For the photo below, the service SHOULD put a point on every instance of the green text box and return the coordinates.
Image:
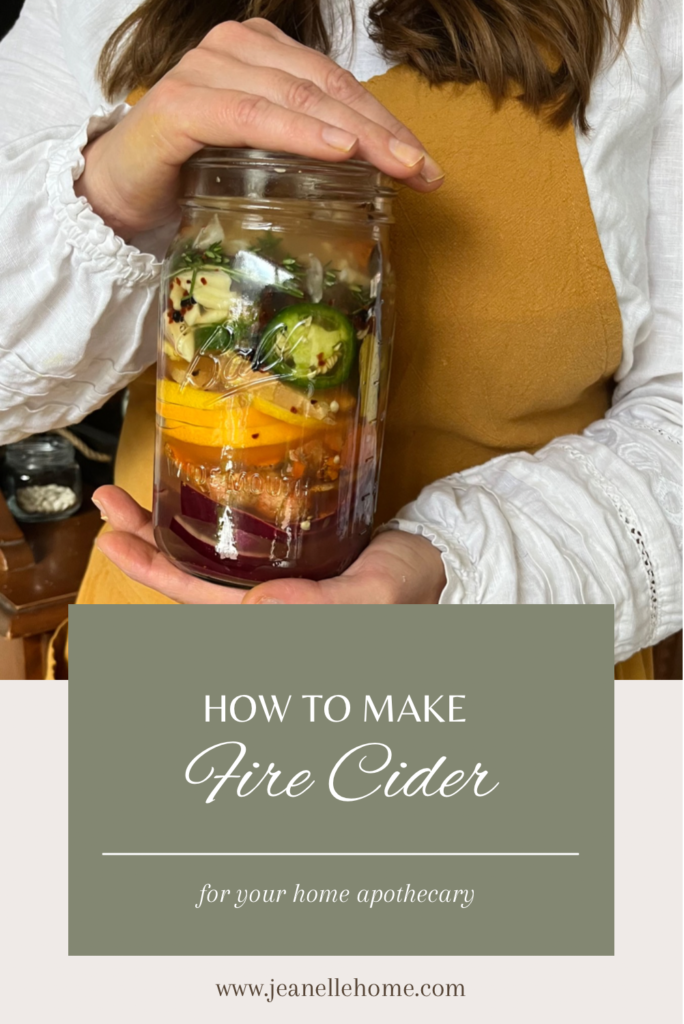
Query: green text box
(531, 862)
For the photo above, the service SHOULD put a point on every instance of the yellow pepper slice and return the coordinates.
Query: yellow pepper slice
(228, 421)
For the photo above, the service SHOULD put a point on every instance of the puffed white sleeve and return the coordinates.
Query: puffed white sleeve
(78, 303)
(596, 518)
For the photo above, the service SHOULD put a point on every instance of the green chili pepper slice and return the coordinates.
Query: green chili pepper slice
(309, 345)
(212, 338)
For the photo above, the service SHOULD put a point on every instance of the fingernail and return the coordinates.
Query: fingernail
(269, 600)
(100, 509)
(408, 155)
(339, 139)
(431, 171)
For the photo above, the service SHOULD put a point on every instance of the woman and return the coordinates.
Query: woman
(535, 405)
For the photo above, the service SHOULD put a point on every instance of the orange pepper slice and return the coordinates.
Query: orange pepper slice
(218, 458)
(229, 435)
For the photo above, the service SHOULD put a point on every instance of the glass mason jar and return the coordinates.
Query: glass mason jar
(41, 478)
(277, 313)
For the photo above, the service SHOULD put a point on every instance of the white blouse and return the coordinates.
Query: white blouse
(590, 519)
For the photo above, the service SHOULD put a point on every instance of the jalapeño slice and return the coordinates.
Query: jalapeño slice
(212, 338)
(310, 345)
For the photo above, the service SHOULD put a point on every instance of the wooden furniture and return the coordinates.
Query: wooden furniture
(667, 658)
(41, 568)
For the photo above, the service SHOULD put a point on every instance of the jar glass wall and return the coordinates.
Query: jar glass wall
(276, 327)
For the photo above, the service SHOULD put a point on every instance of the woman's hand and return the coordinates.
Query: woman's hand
(396, 567)
(246, 84)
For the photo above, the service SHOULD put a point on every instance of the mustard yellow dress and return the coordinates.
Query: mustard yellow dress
(508, 327)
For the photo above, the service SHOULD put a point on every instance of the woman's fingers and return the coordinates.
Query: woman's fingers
(147, 565)
(376, 144)
(130, 545)
(396, 568)
(328, 75)
(264, 45)
(258, 43)
(245, 85)
(341, 590)
(122, 512)
(366, 582)
(227, 117)
(267, 28)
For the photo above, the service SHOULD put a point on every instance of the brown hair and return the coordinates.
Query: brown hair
(551, 48)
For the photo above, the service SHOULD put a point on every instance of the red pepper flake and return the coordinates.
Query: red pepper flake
(203, 280)
(178, 280)
(314, 401)
(293, 408)
(185, 292)
(254, 437)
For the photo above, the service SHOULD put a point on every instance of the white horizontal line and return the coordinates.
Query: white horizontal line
(391, 854)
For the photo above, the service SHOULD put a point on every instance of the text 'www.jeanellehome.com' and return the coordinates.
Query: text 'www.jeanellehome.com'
(333, 987)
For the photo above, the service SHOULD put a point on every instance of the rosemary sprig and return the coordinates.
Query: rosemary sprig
(194, 261)
(266, 244)
(289, 288)
(291, 264)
